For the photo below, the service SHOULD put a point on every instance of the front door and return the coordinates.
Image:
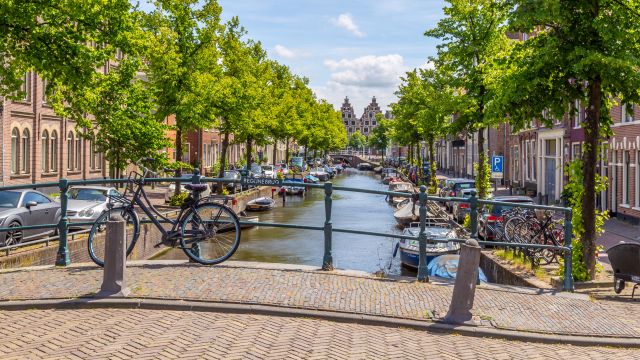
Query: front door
(550, 178)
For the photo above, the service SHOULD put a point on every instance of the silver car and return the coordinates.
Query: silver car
(26, 208)
(86, 203)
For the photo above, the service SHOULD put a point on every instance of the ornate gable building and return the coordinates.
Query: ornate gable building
(366, 123)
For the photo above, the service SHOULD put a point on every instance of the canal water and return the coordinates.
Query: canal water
(351, 210)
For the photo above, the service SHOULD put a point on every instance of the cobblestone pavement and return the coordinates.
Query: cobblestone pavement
(507, 308)
(143, 334)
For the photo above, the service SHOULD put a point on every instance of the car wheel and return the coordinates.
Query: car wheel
(13, 236)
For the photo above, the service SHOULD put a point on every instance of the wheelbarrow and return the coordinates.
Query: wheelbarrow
(625, 261)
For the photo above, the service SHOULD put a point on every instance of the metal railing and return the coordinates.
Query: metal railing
(63, 258)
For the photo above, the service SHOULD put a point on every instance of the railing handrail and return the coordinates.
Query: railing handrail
(420, 198)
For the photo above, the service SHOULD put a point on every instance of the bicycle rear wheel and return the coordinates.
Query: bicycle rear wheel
(210, 233)
(97, 236)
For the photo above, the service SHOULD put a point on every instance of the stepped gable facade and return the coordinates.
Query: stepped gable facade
(366, 123)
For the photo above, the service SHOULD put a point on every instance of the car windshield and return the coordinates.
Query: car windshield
(9, 199)
(230, 174)
(267, 168)
(466, 185)
(498, 209)
(97, 195)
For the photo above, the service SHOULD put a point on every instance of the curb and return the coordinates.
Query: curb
(270, 310)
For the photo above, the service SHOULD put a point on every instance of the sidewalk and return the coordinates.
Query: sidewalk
(303, 287)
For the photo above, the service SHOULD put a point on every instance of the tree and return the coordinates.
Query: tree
(123, 126)
(378, 138)
(65, 41)
(473, 35)
(183, 63)
(357, 140)
(587, 50)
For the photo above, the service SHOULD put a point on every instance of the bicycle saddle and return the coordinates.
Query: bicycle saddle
(196, 187)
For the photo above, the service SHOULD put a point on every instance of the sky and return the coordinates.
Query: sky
(354, 48)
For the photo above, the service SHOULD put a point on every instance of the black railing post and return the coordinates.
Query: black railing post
(195, 179)
(568, 255)
(423, 275)
(62, 258)
(473, 213)
(327, 260)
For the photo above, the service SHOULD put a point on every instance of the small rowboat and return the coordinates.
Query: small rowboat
(261, 204)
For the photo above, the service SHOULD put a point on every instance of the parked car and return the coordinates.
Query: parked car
(187, 180)
(492, 215)
(329, 170)
(457, 185)
(86, 203)
(320, 173)
(25, 208)
(282, 168)
(461, 209)
(268, 171)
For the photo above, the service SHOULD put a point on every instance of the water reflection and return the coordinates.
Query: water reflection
(350, 210)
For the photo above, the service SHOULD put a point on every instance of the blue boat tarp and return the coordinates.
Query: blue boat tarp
(446, 266)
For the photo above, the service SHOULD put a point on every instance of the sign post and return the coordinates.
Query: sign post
(497, 169)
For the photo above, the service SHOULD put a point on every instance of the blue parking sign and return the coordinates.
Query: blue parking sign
(497, 164)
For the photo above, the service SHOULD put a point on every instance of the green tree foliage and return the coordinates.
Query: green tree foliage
(379, 136)
(473, 39)
(61, 40)
(123, 122)
(183, 68)
(357, 140)
(580, 50)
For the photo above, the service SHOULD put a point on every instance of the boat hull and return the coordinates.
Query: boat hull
(411, 258)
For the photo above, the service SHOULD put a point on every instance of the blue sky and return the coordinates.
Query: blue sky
(356, 48)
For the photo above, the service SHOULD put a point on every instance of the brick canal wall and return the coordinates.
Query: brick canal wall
(45, 254)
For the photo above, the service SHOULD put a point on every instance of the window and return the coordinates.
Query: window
(626, 174)
(349, 116)
(533, 161)
(118, 54)
(33, 196)
(44, 152)
(373, 123)
(92, 154)
(353, 123)
(15, 150)
(26, 142)
(366, 130)
(515, 158)
(578, 116)
(78, 162)
(366, 123)
(187, 153)
(576, 151)
(25, 88)
(54, 151)
(70, 156)
(627, 113)
(525, 36)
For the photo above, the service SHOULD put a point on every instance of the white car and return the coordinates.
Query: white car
(268, 172)
(86, 203)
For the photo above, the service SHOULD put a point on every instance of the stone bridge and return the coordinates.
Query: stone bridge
(354, 159)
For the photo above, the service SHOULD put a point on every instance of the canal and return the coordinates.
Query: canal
(350, 210)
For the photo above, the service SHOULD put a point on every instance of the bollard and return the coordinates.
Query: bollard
(473, 214)
(568, 255)
(62, 257)
(327, 260)
(115, 256)
(464, 288)
(423, 273)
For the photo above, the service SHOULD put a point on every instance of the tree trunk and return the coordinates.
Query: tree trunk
(433, 181)
(249, 152)
(480, 183)
(410, 154)
(178, 159)
(223, 155)
(275, 152)
(590, 156)
(286, 155)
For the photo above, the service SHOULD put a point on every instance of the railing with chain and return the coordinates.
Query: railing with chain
(421, 198)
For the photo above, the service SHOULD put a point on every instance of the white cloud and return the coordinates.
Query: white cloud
(283, 52)
(362, 78)
(346, 22)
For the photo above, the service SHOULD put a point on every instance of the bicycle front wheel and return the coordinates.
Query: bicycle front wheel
(210, 233)
(97, 235)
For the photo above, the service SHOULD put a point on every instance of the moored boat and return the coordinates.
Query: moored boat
(406, 214)
(365, 166)
(446, 266)
(261, 204)
(403, 187)
(409, 249)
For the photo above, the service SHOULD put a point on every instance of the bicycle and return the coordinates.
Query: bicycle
(208, 232)
(542, 230)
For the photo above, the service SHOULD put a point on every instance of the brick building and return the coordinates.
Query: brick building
(38, 146)
(366, 123)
